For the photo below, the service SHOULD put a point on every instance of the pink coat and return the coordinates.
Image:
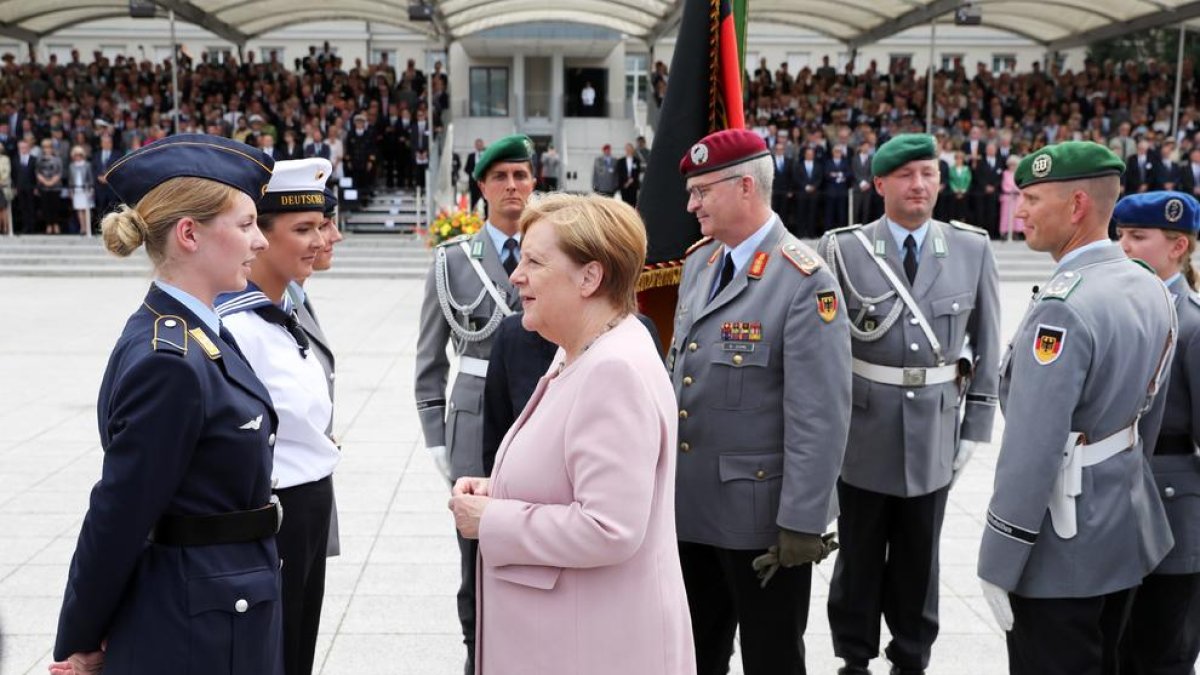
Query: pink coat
(579, 567)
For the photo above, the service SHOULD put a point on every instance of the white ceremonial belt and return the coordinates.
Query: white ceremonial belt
(905, 377)
(1068, 485)
(470, 365)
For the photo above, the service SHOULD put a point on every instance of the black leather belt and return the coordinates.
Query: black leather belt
(1174, 444)
(220, 528)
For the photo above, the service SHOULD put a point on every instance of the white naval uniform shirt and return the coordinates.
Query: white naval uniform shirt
(303, 453)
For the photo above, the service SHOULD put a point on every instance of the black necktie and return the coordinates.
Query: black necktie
(510, 262)
(726, 275)
(910, 258)
(275, 315)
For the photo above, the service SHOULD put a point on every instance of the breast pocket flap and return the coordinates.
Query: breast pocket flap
(763, 466)
(234, 593)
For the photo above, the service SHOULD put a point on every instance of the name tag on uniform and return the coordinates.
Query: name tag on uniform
(737, 346)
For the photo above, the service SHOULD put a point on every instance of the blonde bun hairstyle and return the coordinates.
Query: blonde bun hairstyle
(124, 230)
(150, 222)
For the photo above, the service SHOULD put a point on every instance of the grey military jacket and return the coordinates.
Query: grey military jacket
(903, 439)
(1081, 360)
(762, 377)
(1178, 475)
(458, 425)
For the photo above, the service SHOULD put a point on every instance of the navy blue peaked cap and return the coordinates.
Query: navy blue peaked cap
(190, 155)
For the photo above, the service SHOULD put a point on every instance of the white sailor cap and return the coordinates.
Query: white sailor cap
(297, 185)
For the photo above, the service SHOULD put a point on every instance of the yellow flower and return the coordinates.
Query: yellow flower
(445, 230)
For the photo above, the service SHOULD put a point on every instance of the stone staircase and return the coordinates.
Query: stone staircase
(389, 212)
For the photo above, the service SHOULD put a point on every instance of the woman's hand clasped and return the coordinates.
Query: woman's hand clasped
(468, 500)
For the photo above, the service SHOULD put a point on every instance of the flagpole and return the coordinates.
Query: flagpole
(929, 93)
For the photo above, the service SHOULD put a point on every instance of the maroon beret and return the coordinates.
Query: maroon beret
(721, 149)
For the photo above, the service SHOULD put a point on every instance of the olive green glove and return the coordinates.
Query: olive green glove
(794, 548)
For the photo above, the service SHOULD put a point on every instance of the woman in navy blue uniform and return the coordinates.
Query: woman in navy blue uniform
(176, 569)
(1163, 633)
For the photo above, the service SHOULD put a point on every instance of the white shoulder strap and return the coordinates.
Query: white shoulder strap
(488, 284)
(904, 296)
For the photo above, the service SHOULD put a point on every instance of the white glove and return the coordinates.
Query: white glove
(965, 450)
(997, 600)
(441, 460)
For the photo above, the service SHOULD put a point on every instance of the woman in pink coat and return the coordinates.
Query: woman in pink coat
(1009, 194)
(578, 565)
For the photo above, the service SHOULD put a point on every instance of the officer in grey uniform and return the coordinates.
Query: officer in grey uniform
(1075, 521)
(467, 294)
(1163, 637)
(760, 361)
(916, 291)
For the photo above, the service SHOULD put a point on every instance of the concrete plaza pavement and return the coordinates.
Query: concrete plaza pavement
(389, 604)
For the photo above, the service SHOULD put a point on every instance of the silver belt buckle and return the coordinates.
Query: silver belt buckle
(278, 512)
(913, 377)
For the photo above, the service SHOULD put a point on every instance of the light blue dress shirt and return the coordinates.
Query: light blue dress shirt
(205, 313)
(498, 239)
(1080, 251)
(900, 233)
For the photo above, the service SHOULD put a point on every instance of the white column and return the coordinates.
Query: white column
(518, 89)
(556, 87)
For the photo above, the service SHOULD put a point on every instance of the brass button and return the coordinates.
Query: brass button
(693, 347)
(687, 381)
(683, 414)
(685, 447)
(737, 359)
(1169, 492)
(760, 474)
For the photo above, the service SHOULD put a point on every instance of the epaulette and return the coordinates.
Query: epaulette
(967, 227)
(170, 335)
(704, 241)
(802, 257)
(455, 240)
(1062, 286)
(844, 228)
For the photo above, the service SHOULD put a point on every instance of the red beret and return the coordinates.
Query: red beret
(721, 149)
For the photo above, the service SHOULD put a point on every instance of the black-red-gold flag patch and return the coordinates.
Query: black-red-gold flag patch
(827, 305)
(1048, 343)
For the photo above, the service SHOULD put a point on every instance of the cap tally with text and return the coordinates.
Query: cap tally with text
(721, 149)
(514, 148)
(297, 185)
(1163, 210)
(901, 150)
(190, 156)
(1070, 160)
(331, 202)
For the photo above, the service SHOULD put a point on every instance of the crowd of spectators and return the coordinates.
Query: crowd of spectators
(824, 126)
(63, 124)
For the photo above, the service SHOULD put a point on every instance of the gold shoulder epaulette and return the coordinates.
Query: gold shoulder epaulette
(206, 344)
(697, 246)
(1062, 286)
(804, 258)
(967, 227)
(844, 228)
(170, 334)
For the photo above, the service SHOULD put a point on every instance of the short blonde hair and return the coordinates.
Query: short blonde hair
(155, 216)
(594, 228)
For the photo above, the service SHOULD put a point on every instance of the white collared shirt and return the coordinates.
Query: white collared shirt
(300, 393)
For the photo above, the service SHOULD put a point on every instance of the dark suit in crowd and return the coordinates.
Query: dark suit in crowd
(783, 191)
(838, 177)
(807, 181)
(985, 194)
(629, 179)
(106, 199)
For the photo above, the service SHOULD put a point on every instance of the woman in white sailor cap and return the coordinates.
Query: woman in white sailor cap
(263, 320)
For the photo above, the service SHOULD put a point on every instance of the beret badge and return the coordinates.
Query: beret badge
(699, 154)
(1173, 210)
(1041, 166)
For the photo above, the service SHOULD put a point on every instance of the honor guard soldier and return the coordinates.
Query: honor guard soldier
(760, 362)
(1075, 522)
(467, 294)
(264, 321)
(1163, 637)
(916, 291)
(175, 569)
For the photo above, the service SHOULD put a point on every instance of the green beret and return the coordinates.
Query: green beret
(1071, 160)
(515, 148)
(901, 150)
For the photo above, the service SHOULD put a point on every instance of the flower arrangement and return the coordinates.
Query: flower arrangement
(450, 225)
